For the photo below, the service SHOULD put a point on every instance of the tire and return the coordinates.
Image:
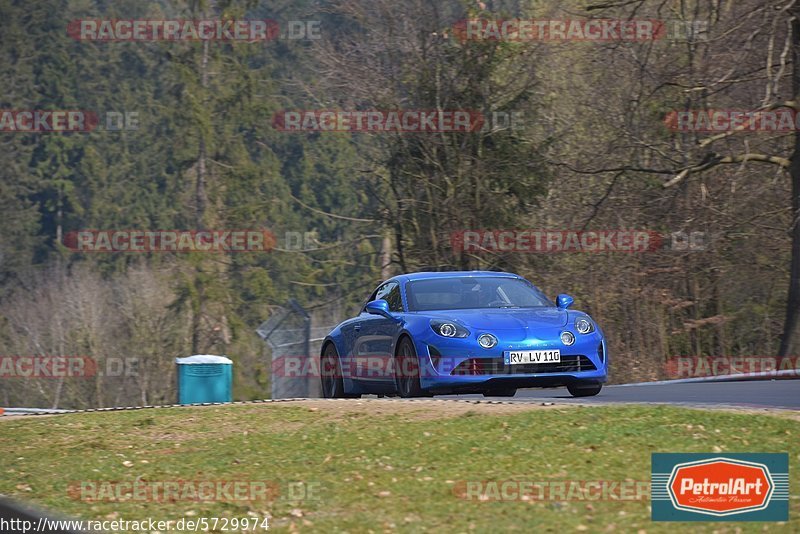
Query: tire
(331, 375)
(507, 392)
(406, 370)
(584, 390)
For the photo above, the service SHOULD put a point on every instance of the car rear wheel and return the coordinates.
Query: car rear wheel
(406, 370)
(507, 392)
(331, 375)
(584, 390)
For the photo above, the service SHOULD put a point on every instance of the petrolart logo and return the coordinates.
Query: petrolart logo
(710, 487)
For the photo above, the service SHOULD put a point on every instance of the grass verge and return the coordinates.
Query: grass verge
(378, 465)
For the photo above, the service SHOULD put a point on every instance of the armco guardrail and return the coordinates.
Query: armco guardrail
(733, 377)
(30, 411)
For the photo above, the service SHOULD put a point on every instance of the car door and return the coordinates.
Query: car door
(374, 337)
(351, 329)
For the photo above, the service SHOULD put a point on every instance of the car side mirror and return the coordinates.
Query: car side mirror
(379, 307)
(564, 301)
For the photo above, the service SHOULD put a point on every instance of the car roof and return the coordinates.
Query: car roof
(409, 277)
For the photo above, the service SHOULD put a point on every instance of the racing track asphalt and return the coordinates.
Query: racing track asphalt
(783, 394)
(778, 394)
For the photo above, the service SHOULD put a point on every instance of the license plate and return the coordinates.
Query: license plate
(513, 357)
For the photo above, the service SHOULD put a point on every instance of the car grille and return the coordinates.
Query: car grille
(495, 366)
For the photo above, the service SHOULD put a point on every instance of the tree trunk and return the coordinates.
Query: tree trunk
(200, 190)
(790, 341)
(386, 255)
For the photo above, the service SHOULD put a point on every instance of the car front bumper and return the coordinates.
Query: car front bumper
(460, 365)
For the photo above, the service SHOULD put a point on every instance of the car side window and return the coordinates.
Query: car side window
(390, 292)
(370, 299)
(373, 296)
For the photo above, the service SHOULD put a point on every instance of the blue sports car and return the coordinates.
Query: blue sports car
(463, 332)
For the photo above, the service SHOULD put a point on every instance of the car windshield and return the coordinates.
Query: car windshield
(469, 292)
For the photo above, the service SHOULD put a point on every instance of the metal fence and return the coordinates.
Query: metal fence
(290, 336)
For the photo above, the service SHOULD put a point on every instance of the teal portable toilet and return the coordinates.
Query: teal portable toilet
(204, 378)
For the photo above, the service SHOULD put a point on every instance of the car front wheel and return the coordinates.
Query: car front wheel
(406, 370)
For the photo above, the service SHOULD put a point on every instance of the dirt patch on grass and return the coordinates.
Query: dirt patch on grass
(424, 409)
(18, 417)
(776, 412)
(417, 409)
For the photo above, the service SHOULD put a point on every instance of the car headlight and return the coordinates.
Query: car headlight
(583, 325)
(567, 338)
(487, 341)
(449, 329)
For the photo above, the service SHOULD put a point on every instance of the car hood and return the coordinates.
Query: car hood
(528, 319)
